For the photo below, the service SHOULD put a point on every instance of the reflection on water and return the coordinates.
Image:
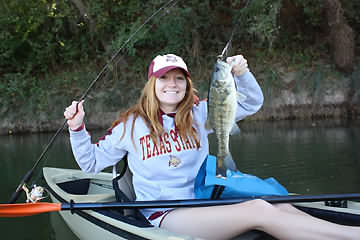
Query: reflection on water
(306, 157)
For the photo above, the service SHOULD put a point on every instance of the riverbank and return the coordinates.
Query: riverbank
(285, 107)
(318, 93)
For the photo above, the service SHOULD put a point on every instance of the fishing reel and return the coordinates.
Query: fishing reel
(36, 194)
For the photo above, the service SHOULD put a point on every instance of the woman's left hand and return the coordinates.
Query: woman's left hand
(238, 63)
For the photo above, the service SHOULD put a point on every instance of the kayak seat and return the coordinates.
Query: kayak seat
(124, 192)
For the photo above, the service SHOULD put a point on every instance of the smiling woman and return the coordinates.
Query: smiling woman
(165, 128)
(170, 73)
(170, 89)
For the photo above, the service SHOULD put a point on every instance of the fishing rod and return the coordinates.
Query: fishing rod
(28, 209)
(108, 66)
(226, 50)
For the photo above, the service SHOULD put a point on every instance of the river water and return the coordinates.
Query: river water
(308, 157)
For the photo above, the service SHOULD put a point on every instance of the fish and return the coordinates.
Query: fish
(222, 106)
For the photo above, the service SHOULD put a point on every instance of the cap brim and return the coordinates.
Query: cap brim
(164, 70)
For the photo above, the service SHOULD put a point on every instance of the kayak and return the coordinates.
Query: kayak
(71, 185)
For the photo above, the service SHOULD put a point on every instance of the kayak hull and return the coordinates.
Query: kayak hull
(67, 185)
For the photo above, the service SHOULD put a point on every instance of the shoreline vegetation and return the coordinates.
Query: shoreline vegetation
(291, 96)
(306, 61)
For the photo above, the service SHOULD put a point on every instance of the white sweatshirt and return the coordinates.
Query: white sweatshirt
(165, 170)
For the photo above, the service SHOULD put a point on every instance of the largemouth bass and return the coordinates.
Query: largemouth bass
(222, 105)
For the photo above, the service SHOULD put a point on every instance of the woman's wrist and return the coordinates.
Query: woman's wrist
(78, 128)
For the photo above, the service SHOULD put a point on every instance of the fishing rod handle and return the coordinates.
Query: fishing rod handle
(15, 196)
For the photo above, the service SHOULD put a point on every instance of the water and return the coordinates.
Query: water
(306, 157)
(18, 155)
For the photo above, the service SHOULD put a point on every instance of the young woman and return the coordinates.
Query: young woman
(165, 139)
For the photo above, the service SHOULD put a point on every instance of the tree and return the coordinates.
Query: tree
(341, 36)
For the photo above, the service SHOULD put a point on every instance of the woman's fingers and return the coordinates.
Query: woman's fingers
(72, 110)
(75, 114)
(239, 64)
(80, 107)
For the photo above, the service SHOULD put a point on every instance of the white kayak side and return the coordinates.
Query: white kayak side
(94, 225)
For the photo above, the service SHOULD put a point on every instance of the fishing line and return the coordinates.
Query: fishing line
(227, 47)
(108, 67)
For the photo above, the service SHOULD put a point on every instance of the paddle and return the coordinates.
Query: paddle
(28, 209)
(101, 74)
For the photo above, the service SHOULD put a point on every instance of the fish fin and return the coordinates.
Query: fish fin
(208, 125)
(235, 130)
(240, 97)
(229, 163)
(224, 164)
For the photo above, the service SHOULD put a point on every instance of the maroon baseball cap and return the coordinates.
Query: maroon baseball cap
(161, 64)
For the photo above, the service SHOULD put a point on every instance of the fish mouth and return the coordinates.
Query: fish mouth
(222, 63)
(221, 66)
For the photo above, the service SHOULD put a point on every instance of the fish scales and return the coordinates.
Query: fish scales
(222, 105)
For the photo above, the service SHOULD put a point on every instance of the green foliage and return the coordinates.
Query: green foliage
(271, 83)
(35, 37)
(260, 19)
(313, 11)
(43, 42)
(18, 90)
(352, 9)
(41, 36)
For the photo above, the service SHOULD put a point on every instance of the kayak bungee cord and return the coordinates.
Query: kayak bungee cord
(101, 74)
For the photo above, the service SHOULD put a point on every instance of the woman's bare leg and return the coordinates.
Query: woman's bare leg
(225, 222)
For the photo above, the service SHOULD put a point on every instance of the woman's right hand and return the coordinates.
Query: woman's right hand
(75, 115)
(239, 64)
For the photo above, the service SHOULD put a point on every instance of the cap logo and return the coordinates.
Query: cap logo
(171, 58)
(161, 64)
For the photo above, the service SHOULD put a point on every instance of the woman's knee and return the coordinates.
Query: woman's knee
(260, 204)
(259, 210)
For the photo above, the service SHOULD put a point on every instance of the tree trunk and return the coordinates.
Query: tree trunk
(341, 36)
(291, 17)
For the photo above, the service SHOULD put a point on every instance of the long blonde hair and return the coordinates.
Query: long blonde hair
(148, 107)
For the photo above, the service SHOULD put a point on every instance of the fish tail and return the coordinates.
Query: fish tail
(220, 167)
(219, 162)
